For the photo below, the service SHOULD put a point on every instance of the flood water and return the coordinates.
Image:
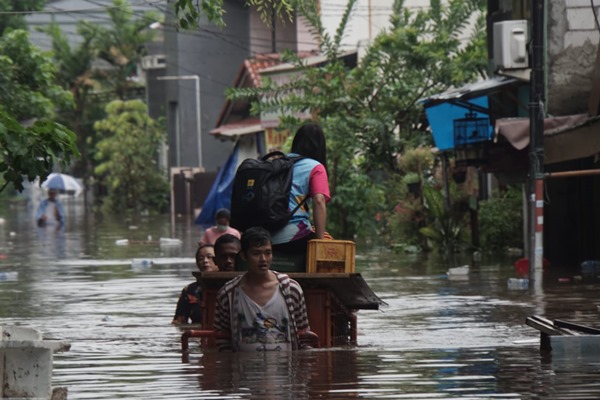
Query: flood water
(438, 337)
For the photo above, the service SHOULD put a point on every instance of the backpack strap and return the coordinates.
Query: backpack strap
(295, 159)
(277, 153)
(304, 200)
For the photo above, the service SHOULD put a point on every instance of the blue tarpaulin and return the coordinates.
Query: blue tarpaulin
(441, 117)
(220, 193)
(444, 108)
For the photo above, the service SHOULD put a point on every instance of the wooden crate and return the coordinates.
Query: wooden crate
(329, 256)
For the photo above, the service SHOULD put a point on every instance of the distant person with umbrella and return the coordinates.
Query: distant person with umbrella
(64, 183)
(50, 211)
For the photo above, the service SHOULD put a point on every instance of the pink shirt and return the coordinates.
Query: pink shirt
(318, 183)
(212, 234)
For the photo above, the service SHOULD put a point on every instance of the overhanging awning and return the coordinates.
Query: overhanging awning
(460, 96)
(244, 127)
(565, 138)
(444, 108)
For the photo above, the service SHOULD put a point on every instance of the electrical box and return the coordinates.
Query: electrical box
(510, 44)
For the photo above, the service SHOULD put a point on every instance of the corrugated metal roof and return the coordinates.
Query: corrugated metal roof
(238, 128)
(471, 90)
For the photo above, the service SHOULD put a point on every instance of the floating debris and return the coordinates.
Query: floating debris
(169, 242)
(141, 262)
(458, 271)
(518, 283)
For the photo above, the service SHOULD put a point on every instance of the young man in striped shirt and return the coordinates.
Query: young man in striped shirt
(262, 310)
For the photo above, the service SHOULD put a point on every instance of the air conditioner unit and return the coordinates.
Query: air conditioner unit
(153, 62)
(510, 44)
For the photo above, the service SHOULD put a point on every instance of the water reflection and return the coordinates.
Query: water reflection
(437, 338)
(306, 375)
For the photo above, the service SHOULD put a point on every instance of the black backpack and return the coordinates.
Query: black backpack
(261, 192)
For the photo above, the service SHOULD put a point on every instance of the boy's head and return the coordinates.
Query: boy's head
(255, 237)
(257, 251)
(227, 247)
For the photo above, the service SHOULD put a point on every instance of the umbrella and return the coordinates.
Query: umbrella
(63, 183)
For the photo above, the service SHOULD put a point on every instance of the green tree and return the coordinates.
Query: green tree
(371, 113)
(190, 12)
(31, 142)
(445, 229)
(122, 46)
(18, 7)
(500, 219)
(421, 54)
(75, 73)
(127, 158)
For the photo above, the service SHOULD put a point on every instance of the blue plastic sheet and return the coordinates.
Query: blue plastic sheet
(220, 192)
(441, 119)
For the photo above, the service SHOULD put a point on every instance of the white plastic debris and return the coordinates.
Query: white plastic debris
(122, 242)
(464, 270)
(169, 242)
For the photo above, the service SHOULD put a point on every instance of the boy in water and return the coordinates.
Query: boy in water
(262, 310)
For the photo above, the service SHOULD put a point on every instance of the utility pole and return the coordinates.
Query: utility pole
(536, 146)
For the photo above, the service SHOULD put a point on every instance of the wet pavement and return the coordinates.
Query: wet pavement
(438, 337)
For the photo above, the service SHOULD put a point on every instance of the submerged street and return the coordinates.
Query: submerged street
(438, 337)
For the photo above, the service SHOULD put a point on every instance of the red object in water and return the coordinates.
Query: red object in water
(522, 266)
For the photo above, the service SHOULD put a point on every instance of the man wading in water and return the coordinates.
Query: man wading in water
(262, 310)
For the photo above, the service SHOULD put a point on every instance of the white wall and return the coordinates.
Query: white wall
(368, 18)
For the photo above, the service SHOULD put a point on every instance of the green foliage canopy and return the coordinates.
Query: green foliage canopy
(500, 219)
(127, 158)
(190, 12)
(28, 79)
(31, 142)
(75, 73)
(119, 45)
(17, 20)
(122, 45)
(371, 113)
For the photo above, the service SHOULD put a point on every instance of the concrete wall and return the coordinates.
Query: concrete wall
(261, 35)
(572, 40)
(67, 13)
(215, 56)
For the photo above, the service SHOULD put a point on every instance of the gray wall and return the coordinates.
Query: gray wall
(67, 13)
(215, 55)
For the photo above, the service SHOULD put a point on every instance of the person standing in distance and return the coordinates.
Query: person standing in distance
(222, 219)
(262, 310)
(50, 211)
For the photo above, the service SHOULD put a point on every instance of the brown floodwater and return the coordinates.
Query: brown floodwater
(437, 337)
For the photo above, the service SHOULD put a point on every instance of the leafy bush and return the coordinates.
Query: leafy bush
(127, 158)
(445, 229)
(501, 221)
